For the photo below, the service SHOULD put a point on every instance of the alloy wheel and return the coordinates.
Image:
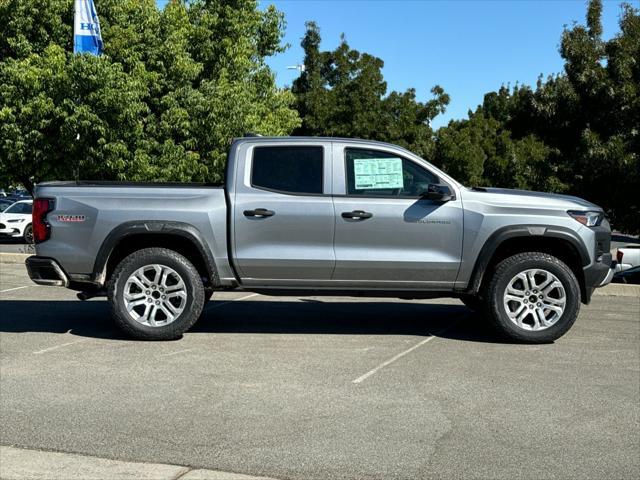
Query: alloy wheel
(534, 299)
(155, 295)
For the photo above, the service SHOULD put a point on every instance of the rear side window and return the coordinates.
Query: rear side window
(296, 170)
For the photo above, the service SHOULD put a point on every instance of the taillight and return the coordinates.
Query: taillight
(41, 228)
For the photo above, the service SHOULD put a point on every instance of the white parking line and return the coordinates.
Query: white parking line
(15, 288)
(361, 378)
(60, 346)
(175, 353)
(391, 360)
(216, 305)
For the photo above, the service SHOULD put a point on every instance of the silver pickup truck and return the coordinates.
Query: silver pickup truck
(321, 216)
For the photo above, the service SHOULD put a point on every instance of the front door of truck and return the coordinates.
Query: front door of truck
(283, 216)
(387, 234)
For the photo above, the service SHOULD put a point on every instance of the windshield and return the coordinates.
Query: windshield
(19, 207)
(4, 205)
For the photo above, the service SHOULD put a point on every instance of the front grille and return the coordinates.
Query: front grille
(2, 226)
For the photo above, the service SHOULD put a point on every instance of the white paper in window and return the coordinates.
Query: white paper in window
(377, 173)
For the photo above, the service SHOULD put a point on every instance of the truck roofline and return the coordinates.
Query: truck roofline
(307, 139)
(238, 141)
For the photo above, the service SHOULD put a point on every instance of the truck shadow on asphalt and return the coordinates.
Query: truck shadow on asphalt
(92, 319)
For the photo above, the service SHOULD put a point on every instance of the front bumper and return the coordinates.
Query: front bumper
(10, 232)
(46, 271)
(599, 273)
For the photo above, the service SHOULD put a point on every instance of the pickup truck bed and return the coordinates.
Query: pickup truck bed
(107, 213)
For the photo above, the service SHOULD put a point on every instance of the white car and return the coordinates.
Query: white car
(15, 221)
(628, 258)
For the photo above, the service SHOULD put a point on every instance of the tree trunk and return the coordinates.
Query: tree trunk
(27, 184)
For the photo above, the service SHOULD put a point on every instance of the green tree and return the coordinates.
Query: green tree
(49, 99)
(480, 151)
(604, 77)
(173, 87)
(577, 132)
(343, 93)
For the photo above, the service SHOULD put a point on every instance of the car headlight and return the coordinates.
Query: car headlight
(589, 218)
(16, 220)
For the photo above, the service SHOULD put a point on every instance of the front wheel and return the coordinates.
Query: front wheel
(28, 234)
(155, 294)
(533, 297)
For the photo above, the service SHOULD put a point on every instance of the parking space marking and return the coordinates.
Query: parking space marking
(55, 347)
(175, 353)
(361, 378)
(15, 288)
(216, 305)
(392, 359)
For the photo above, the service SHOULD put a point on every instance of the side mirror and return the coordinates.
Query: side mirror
(438, 192)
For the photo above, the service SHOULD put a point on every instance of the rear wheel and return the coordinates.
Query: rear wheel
(155, 294)
(533, 297)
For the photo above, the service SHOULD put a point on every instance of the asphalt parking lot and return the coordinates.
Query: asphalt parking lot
(317, 388)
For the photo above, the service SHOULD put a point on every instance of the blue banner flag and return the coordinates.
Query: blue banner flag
(87, 37)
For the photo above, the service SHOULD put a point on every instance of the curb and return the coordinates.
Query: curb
(13, 257)
(27, 464)
(619, 290)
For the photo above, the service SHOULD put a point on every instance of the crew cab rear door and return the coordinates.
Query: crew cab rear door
(387, 234)
(282, 213)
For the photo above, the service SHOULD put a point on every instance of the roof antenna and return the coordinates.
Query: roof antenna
(252, 134)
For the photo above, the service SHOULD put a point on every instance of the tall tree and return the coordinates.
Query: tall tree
(343, 93)
(577, 132)
(604, 77)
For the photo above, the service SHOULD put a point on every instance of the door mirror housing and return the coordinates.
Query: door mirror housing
(438, 192)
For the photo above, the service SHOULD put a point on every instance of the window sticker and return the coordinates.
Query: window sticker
(378, 173)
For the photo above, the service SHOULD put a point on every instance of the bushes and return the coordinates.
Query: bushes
(163, 102)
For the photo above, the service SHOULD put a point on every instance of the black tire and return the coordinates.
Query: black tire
(168, 258)
(473, 302)
(27, 235)
(494, 308)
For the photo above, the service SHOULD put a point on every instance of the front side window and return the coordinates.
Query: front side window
(294, 170)
(376, 173)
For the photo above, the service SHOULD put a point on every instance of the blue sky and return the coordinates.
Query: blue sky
(469, 47)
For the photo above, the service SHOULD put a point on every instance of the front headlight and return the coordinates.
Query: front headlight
(590, 218)
(16, 220)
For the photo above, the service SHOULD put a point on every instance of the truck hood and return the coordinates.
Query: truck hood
(530, 197)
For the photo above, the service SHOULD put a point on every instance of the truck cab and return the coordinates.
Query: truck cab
(341, 214)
